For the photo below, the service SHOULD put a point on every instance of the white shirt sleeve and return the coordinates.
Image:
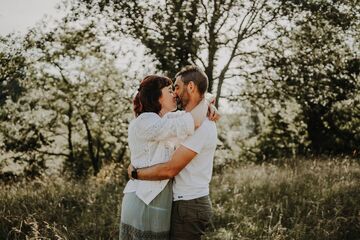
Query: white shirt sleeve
(175, 114)
(151, 127)
(197, 141)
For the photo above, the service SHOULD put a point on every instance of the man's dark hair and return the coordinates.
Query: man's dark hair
(195, 74)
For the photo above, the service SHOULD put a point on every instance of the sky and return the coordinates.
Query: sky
(18, 15)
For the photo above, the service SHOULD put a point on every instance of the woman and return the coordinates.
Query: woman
(146, 205)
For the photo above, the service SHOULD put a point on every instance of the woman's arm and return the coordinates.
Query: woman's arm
(151, 127)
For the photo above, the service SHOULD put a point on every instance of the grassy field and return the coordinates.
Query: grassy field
(309, 199)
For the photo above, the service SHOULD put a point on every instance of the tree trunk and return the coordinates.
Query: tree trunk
(212, 48)
(94, 159)
(316, 131)
(71, 157)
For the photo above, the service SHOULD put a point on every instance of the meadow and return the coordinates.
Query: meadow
(317, 198)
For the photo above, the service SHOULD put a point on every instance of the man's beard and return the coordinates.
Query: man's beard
(182, 101)
(179, 104)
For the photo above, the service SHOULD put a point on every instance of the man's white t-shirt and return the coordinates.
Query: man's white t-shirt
(193, 181)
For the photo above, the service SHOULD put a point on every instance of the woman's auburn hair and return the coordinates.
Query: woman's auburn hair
(149, 93)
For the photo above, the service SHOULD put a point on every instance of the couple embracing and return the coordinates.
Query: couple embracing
(172, 156)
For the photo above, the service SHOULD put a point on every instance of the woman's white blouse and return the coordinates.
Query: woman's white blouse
(151, 141)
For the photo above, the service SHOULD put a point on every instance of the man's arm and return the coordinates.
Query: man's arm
(181, 157)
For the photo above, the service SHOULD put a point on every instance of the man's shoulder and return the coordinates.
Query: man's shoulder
(205, 137)
(206, 130)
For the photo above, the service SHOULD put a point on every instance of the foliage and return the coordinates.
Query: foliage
(278, 53)
(76, 106)
(214, 34)
(314, 64)
(63, 98)
(12, 68)
(281, 137)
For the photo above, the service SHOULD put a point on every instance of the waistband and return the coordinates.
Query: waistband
(204, 199)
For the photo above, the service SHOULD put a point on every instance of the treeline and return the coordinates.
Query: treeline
(292, 65)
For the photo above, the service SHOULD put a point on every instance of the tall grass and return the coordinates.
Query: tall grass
(318, 199)
(53, 208)
(313, 199)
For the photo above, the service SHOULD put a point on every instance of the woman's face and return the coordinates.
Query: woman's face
(167, 100)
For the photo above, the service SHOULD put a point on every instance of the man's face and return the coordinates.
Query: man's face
(181, 93)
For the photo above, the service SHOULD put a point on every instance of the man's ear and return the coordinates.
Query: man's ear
(191, 86)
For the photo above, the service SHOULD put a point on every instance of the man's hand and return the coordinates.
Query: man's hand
(130, 168)
(213, 113)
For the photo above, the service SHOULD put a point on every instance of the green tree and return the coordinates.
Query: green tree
(12, 68)
(214, 34)
(315, 64)
(76, 106)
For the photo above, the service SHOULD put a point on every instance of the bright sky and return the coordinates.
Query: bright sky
(18, 15)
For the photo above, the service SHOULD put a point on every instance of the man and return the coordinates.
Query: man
(191, 164)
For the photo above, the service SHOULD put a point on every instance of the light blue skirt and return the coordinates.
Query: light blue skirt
(151, 222)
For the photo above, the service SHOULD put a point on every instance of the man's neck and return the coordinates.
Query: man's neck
(192, 103)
